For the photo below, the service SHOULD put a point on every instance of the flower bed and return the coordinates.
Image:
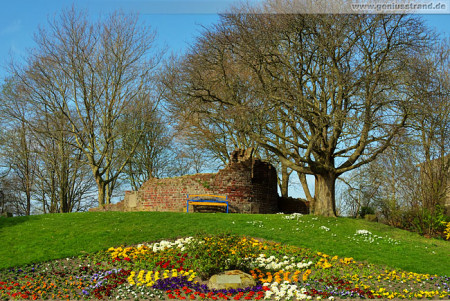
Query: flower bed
(179, 270)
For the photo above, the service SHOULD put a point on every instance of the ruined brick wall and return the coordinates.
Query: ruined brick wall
(249, 183)
(167, 194)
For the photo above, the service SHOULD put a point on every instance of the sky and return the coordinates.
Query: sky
(177, 22)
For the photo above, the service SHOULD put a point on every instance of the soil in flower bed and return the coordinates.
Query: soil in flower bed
(180, 270)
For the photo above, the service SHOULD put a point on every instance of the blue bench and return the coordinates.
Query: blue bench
(206, 200)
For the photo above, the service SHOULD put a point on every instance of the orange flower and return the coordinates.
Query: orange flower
(306, 275)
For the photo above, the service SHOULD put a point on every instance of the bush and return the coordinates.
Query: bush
(366, 210)
(430, 223)
(371, 217)
(215, 254)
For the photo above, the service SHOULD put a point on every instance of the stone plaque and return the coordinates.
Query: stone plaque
(231, 279)
(228, 279)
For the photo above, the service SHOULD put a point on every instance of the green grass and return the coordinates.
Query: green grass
(33, 239)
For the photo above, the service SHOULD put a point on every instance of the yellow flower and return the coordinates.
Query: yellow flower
(131, 278)
(306, 275)
(191, 278)
(347, 260)
(148, 277)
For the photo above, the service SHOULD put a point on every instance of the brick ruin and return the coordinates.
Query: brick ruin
(249, 183)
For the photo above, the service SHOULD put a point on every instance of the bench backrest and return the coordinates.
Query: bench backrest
(206, 197)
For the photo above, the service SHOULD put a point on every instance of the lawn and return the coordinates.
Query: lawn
(333, 250)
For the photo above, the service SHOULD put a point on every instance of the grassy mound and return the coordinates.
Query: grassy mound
(33, 239)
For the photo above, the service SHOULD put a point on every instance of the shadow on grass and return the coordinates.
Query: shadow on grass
(12, 221)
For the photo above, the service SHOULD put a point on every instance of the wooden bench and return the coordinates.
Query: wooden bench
(206, 200)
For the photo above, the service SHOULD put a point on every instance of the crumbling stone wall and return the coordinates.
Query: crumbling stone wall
(167, 194)
(249, 183)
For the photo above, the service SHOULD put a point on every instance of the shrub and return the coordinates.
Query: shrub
(366, 210)
(215, 254)
(371, 217)
(430, 223)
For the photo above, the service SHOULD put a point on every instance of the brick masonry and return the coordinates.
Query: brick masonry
(249, 183)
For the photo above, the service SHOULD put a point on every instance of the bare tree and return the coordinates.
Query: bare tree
(17, 148)
(152, 157)
(389, 184)
(209, 127)
(430, 122)
(412, 175)
(334, 81)
(95, 75)
(22, 162)
(39, 151)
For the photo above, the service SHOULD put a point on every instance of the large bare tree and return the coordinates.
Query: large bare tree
(326, 92)
(40, 157)
(430, 122)
(17, 146)
(94, 74)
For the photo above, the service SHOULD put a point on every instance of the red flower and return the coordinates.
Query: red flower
(238, 296)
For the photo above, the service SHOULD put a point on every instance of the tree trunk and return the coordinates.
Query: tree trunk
(309, 197)
(325, 203)
(53, 198)
(284, 185)
(101, 191)
(28, 208)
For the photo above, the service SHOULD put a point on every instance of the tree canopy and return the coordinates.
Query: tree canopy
(324, 93)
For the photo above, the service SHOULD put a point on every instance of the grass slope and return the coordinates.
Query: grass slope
(41, 238)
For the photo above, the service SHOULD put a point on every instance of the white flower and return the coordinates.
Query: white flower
(272, 263)
(324, 228)
(293, 216)
(363, 232)
(285, 290)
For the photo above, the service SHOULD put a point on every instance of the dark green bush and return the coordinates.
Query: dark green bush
(366, 210)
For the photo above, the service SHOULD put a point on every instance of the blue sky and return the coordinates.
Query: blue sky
(177, 22)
